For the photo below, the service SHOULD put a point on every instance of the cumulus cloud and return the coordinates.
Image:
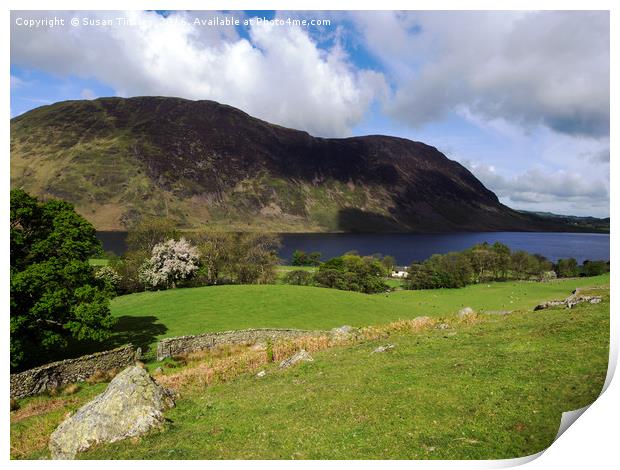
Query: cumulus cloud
(532, 68)
(278, 73)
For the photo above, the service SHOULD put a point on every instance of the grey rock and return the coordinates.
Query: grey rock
(465, 312)
(262, 373)
(344, 330)
(595, 300)
(159, 370)
(443, 326)
(550, 303)
(382, 349)
(299, 356)
(131, 405)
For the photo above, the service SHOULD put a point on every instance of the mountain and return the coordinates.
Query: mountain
(205, 164)
(581, 223)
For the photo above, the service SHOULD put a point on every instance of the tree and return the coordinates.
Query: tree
(567, 268)
(314, 258)
(217, 250)
(301, 258)
(298, 277)
(110, 278)
(483, 261)
(148, 232)
(171, 261)
(352, 272)
(502, 260)
(255, 258)
(521, 264)
(54, 292)
(389, 262)
(594, 268)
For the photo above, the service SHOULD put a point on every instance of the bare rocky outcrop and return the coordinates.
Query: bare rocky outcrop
(131, 405)
(574, 299)
(299, 356)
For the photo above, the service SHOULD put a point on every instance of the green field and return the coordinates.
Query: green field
(494, 389)
(146, 317)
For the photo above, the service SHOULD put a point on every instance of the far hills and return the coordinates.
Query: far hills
(209, 165)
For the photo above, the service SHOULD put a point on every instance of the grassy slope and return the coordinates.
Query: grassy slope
(198, 310)
(496, 389)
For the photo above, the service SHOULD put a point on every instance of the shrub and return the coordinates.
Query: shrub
(298, 277)
(354, 273)
(171, 261)
(567, 268)
(301, 258)
(110, 277)
(595, 268)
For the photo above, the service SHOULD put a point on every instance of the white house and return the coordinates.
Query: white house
(400, 273)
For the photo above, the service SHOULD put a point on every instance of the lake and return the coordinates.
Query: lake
(406, 247)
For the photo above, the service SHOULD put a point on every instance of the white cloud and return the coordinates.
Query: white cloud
(567, 192)
(531, 68)
(17, 82)
(88, 94)
(279, 74)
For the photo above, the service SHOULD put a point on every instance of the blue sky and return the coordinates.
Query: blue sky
(520, 98)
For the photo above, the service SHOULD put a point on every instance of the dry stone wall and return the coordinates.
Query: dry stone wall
(185, 344)
(58, 374)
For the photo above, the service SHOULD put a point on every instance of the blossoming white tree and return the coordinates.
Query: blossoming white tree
(170, 262)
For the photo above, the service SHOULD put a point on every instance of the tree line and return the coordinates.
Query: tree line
(493, 262)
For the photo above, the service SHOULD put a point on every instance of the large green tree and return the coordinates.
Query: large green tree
(54, 293)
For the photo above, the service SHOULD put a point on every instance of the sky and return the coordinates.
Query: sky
(519, 98)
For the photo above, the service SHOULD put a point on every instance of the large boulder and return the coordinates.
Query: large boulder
(131, 405)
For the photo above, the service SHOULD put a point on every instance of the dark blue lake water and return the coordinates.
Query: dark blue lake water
(416, 247)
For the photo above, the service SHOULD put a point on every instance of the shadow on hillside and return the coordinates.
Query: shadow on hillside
(355, 220)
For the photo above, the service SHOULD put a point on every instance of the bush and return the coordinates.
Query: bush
(298, 278)
(441, 271)
(301, 258)
(354, 273)
(110, 277)
(567, 268)
(594, 268)
(171, 261)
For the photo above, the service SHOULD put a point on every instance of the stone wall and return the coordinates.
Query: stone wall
(58, 374)
(184, 344)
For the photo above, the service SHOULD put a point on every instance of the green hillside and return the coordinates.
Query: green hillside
(488, 390)
(148, 316)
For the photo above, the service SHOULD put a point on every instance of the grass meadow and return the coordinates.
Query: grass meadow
(494, 387)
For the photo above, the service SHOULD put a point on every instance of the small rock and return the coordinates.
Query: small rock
(465, 312)
(131, 405)
(299, 356)
(159, 370)
(344, 330)
(443, 326)
(262, 373)
(595, 300)
(550, 303)
(382, 349)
